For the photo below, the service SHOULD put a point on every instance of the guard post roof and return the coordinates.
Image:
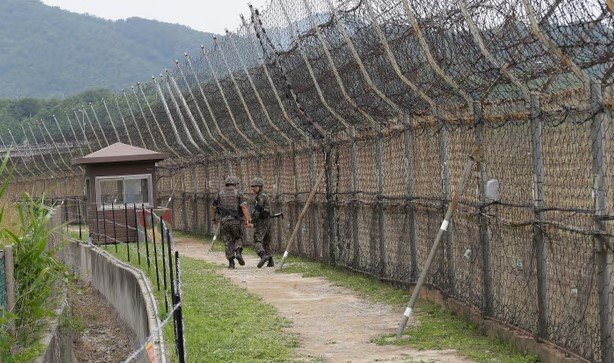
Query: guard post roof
(120, 152)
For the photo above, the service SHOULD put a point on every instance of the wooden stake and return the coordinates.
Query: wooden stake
(301, 216)
(444, 227)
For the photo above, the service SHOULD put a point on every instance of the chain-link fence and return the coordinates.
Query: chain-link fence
(142, 237)
(390, 97)
(538, 264)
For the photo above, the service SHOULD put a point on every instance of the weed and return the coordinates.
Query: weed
(35, 273)
(36, 278)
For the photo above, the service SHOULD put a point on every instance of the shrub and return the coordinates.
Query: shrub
(36, 276)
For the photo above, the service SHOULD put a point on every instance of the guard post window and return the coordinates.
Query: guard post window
(129, 189)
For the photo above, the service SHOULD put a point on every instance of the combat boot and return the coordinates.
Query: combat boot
(263, 259)
(231, 263)
(239, 256)
(270, 263)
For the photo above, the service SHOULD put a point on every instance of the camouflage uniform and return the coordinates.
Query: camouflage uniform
(262, 224)
(228, 206)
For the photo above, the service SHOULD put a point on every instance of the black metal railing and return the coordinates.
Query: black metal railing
(138, 235)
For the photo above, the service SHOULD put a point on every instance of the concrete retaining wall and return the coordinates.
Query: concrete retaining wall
(124, 287)
(59, 339)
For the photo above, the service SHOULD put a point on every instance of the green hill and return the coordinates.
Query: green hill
(49, 52)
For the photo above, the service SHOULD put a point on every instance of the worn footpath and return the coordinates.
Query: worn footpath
(333, 323)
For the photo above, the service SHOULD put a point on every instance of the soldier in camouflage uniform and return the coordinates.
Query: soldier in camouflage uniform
(230, 206)
(262, 224)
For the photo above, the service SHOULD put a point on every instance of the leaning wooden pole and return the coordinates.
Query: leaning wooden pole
(301, 216)
(444, 227)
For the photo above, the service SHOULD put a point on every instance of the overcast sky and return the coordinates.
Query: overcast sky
(205, 15)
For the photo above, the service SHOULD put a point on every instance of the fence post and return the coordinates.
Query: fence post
(80, 219)
(184, 195)
(240, 165)
(330, 200)
(180, 335)
(218, 166)
(163, 262)
(259, 166)
(136, 232)
(229, 163)
(172, 206)
(171, 283)
(144, 233)
(603, 252)
(65, 205)
(379, 178)
(155, 248)
(9, 272)
(114, 225)
(95, 208)
(538, 204)
(207, 211)
(171, 200)
(483, 221)
(126, 230)
(444, 160)
(356, 207)
(278, 200)
(315, 223)
(184, 212)
(195, 220)
(411, 207)
(297, 208)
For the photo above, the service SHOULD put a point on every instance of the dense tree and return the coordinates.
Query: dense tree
(25, 107)
(49, 52)
(13, 112)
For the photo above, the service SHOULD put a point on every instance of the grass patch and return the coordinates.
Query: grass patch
(436, 329)
(68, 320)
(226, 323)
(222, 321)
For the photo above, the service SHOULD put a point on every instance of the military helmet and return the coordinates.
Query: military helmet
(257, 182)
(232, 180)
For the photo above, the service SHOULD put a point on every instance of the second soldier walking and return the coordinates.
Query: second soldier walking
(262, 224)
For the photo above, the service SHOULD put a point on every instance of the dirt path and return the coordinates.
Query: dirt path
(332, 322)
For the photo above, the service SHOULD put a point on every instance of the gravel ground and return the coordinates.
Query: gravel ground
(100, 336)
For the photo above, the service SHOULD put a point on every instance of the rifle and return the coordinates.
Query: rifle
(217, 230)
